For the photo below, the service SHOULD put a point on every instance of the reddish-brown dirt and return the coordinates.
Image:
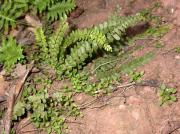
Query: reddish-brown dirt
(133, 110)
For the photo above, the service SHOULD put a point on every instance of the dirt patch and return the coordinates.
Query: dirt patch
(98, 11)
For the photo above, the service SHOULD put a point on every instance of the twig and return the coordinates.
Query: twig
(74, 122)
(83, 106)
(28, 131)
(171, 127)
(104, 64)
(21, 83)
(25, 124)
(103, 105)
(126, 85)
(11, 100)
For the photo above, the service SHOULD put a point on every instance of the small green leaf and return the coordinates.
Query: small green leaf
(163, 87)
(173, 98)
(19, 110)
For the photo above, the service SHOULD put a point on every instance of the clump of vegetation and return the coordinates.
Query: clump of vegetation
(10, 53)
(157, 31)
(69, 52)
(12, 10)
(159, 45)
(152, 33)
(133, 64)
(177, 49)
(47, 112)
(136, 76)
(82, 83)
(167, 95)
(105, 67)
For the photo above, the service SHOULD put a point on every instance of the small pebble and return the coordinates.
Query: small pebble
(177, 57)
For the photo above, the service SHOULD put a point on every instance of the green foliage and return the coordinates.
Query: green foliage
(105, 66)
(55, 42)
(10, 11)
(60, 9)
(177, 49)
(10, 53)
(42, 5)
(2, 112)
(152, 32)
(133, 64)
(158, 31)
(136, 76)
(47, 112)
(55, 9)
(167, 95)
(54, 49)
(82, 83)
(19, 110)
(90, 35)
(159, 45)
(50, 47)
(70, 51)
(117, 25)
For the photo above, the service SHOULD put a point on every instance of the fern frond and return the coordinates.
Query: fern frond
(10, 11)
(42, 43)
(60, 9)
(116, 27)
(55, 42)
(91, 35)
(78, 55)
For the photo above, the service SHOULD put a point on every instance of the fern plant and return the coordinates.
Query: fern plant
(66, 52)
(10, 53)
(82, 44)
